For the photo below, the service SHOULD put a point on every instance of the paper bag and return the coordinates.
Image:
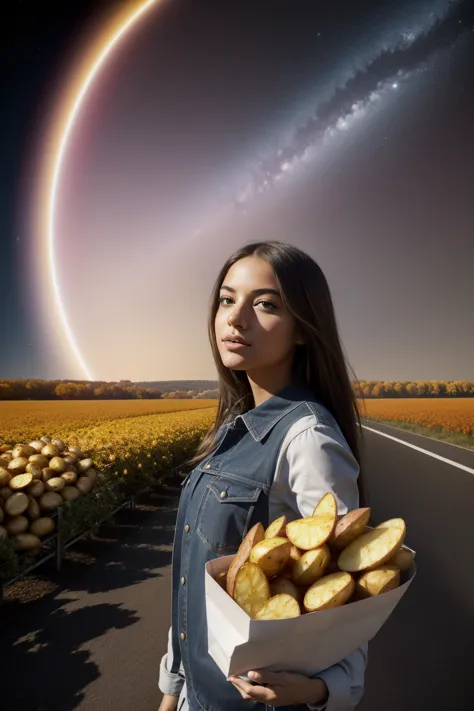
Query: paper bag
(306, 644)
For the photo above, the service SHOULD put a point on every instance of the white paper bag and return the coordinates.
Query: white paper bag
(306, 644)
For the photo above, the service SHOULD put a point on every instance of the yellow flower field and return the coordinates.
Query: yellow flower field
(453, 418)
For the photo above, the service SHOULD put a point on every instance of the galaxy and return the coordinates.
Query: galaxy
(149, 140)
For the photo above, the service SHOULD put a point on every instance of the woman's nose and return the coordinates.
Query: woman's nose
(236, 316)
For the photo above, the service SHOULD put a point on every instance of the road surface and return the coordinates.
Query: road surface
(94, 642)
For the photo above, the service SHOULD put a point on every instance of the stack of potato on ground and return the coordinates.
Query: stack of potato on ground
(315, 563)
(35, 479)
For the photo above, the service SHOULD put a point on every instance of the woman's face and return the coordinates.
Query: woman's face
(251, 310)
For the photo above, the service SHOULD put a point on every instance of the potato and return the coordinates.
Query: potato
(20, 481)
(70, 493)
(373, 548)
(3, 533)
(34, 469)
(279, 607)
(77, 451)
(251, 589)
(4, 477)
(70, 458)
(403, 559)
(377, 581)
(38, 459)
(56, 483)
(91, 474)
(311, 566)
(23, 450)
(283, 585)
(348, 527)
(72, 468)
(42, 526)
(326, 505)
(4, 462)
(271, 555)
(277, 528)
(5, 493)
(17, 465)
(4, 448)
(329, 591)
(50, 501)
(17, 524)
(26, 542)
(221, 578)
(36, 489)
(47, 474)
(58, 465)
(84, 485)
(83, 465)
(69, 477)
(50, 450)
(16, 504)
(45, 439)
(59, 444)
(37, 445)
(254, 536)
(310, 532)
(7, 457)
(33, 509)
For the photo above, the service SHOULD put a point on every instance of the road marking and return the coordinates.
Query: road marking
(417, 434)
(420, 449)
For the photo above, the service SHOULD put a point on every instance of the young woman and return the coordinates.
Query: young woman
(285, 434)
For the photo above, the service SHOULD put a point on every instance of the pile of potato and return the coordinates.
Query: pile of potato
(315, 563)
(36, 479)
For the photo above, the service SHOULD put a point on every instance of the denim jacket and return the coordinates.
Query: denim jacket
(278, 458)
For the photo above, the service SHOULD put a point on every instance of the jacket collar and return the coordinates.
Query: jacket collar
(261, 419)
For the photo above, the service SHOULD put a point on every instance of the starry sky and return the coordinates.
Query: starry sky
(343, 128)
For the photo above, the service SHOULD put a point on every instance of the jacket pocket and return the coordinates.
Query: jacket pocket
(225, 513)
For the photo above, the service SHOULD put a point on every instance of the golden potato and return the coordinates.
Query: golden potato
(348, 527)
(50, 501)
(279, 607)
(378, 581)
(56, 483)
(34, 469)
(251, 589)
(17, 465)
(221, 578)
(403, 559)
(310, 532)
(311, 566)
(254, 536)
(20, 481)
(329, 591)
(17, 524)
(33, 509)
(36, 488)
(38, 459)
(326, 505)
(58, 465)
(271, 555)
(26, 542)
(69, 477)
(16, 504)
(70, 493)
(42, 526)
(84, 485)
(4, 477)
(283, 585)
(277, 528)
(373, 548)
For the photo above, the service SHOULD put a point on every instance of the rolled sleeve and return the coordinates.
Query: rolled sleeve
(170, 683)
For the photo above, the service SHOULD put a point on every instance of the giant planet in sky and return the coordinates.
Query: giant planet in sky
(172, 143)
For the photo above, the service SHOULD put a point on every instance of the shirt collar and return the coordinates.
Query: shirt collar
(261, 419)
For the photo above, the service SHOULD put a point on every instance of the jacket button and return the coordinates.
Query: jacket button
(223, 494)
(208, 466)
(183, 580)
(186, 529)
(182, 635)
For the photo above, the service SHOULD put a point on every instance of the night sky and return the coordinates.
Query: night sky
(343, 128)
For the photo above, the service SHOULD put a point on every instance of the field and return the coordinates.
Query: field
(449, 419)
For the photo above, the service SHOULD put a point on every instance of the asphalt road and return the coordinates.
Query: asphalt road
(93, 643)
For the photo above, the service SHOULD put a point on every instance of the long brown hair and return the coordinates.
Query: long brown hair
(320, 362)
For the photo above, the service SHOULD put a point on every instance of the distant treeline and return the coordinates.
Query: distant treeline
(24, 389)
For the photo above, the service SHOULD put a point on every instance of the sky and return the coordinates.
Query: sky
(345, 130)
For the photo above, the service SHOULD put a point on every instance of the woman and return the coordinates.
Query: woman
(285, 434)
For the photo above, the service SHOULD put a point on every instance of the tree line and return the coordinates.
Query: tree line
(24, 389)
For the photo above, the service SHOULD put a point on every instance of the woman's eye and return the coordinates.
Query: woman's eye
(224, 298)
(268, 304)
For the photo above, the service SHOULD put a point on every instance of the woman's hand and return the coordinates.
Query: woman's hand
(168, 703)
(281, 688)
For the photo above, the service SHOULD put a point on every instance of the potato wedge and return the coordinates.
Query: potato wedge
(254, 536)
(377, 581)
(403, 559)
(326, 505)
(271, 555)
(329, 591)
(310, 532)
(373, 548)
(277, 528)
(279, 607)
(221, 578)
(20, 481)
(251, 588)
(284, 586)
(311, 566)
(349, 527)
